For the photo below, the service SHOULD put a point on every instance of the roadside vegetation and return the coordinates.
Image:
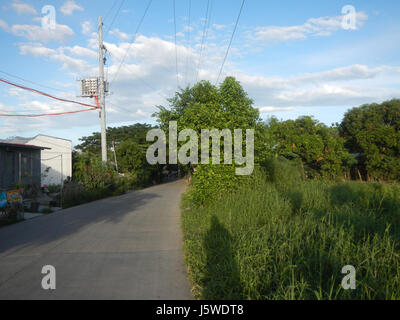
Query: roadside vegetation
(319, 199)
(279, 237)
(127, 168)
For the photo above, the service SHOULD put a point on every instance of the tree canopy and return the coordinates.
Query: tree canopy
(373, 132)
(318, 147)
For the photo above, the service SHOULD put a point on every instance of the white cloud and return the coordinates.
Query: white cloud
(61, 33)
(59, 55)
(323, 26)
(36, 50)
(6, 109)
(347, 86)
(148, 76)
(87, 28)
(219, 26)
(121, 35)
(188, 28)
(22, 7)
(82, 52)
(4, 25)
(69, 7)
(270, 109)
(352, 72)
(15, 92)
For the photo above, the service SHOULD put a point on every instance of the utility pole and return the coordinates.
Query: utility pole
(101, 95)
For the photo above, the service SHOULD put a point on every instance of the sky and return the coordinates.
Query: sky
(293, 57)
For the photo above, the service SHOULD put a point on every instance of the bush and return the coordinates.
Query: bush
(283, 173)
(212, 182)
(53, 188)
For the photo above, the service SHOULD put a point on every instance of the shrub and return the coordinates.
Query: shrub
(283, 173)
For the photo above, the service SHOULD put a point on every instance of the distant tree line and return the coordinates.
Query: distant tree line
(365, 145)
(129, 144)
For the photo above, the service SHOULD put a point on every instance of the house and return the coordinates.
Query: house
(56, 157)
(19, 164)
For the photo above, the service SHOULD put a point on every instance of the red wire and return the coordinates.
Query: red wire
(52, 97)
(45, 114)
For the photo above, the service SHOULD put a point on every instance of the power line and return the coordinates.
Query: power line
(49, 96)
(176, 49)
(202, 41)
(31, 82)
(230, 42)
(187, 58)
(45, 94)
(46, 114)
(146, 83)
(109, 11)
(115, 16)
(60, 155)
(137, 30)
(207, 31)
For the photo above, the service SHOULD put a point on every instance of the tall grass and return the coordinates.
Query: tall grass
(277, 240)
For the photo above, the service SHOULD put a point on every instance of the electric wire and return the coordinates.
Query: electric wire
(31, 82)
(230, 42)
(45, 94)
(137, 30)
(115, 16)
(188, 30)
(176, 49)
(49, 96)
(202, 41)
(110, 10)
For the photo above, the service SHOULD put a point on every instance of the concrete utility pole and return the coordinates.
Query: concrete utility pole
(101, 95)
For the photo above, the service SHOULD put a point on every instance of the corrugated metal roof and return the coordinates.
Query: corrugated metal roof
(20, 145)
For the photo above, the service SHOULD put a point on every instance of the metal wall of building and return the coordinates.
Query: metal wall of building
(19, 166)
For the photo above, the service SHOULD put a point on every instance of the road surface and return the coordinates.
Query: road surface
(125, 247)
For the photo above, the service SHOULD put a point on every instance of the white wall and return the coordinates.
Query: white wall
(58, 158)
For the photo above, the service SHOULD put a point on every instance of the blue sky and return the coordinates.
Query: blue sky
(293, 57)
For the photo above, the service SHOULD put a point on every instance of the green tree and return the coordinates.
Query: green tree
(136, 133)
(130, 144)
(205, 106)
(317, 147)
(373, 132)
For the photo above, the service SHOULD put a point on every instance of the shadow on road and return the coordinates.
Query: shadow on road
(69, 221)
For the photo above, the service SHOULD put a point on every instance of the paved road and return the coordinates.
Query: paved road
(126, 247)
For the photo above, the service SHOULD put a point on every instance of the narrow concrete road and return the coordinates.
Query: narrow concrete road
(126, 247)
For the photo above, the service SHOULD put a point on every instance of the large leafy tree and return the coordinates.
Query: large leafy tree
(205, 106)
(373, 132)
(317, 147)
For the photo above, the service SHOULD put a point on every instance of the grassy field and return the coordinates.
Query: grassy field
(290, 240)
